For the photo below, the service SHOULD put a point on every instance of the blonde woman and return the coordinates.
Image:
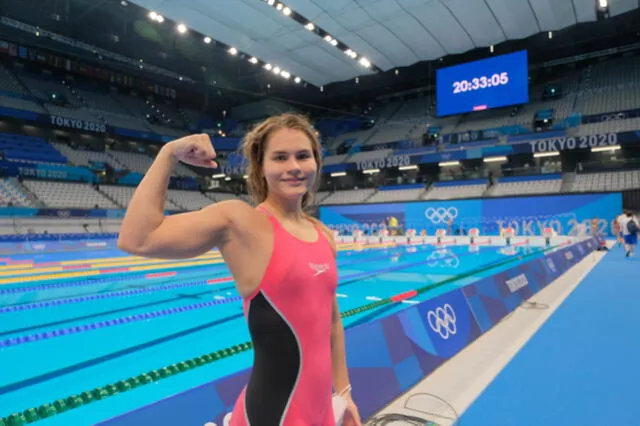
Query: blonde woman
(282, 260)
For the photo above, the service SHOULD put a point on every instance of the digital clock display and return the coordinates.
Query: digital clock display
(489, 83)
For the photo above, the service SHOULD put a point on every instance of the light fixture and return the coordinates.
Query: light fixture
(338, 174)
(182, 28)
(153, 15)
(218, 176)
(365, 62)
(160, 19)
(297, 80)
(207, 40)
(494, 159)
(268, 67)
(233, 51)
(285, 74)
(279, 6)
(448, 163)
(605, 148)
(546, 154)
(310, 26)
(228, 178)
(371, 171)
(276, 70)
(286, 11)
(253, 60)
(411, 167)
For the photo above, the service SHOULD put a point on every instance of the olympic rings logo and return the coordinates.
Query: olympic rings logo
(443, 321)
(441, 214)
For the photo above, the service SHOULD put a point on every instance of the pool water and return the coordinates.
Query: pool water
(72, 322)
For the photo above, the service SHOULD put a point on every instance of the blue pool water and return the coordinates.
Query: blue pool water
(49, 368)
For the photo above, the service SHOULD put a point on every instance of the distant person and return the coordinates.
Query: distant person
(629, 226)
(594, 226)
(617, 232)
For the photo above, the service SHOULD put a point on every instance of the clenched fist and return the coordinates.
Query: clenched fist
(195, 150)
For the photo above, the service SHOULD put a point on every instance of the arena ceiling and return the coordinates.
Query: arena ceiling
(404, 40)
(388, 33)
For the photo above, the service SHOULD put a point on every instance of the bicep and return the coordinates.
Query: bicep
(191, 234)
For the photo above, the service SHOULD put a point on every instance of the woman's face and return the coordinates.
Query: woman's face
(289, 166)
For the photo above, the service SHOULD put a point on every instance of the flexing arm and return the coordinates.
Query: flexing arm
(145, 231)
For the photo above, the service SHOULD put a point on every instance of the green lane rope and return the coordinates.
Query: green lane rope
(59, 406)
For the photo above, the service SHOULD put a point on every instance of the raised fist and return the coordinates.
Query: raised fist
(195, 150)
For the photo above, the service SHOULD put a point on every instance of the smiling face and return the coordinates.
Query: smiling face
(289, 165)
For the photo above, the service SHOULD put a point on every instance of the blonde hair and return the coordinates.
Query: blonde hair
(254, 147)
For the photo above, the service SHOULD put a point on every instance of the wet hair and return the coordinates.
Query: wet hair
(254, 147)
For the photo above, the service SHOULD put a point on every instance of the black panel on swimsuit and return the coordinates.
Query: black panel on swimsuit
(275, 367)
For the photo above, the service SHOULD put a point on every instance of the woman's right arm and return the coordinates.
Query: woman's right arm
(146, 231)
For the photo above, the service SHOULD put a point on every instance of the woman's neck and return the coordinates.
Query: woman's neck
(285, 209)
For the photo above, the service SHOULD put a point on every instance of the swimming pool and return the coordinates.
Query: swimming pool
(74, 322)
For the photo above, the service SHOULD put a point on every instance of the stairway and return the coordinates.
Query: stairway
(30, 195)
(567, 181)
(110, 198)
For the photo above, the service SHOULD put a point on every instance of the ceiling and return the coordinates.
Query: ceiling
(390, 33)
(406, 40)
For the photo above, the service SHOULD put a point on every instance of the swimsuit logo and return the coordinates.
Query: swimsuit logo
(319, 268)
(443, 321)
(441, 214)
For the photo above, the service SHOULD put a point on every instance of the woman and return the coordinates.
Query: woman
(282, 260)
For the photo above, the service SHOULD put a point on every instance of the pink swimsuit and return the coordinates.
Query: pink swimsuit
(289, 318)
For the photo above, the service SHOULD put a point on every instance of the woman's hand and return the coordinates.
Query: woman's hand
(351, 414)
(196, 150)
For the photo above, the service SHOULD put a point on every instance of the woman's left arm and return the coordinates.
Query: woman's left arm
(340, 374)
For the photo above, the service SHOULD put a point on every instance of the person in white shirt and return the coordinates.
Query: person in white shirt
(630, 233)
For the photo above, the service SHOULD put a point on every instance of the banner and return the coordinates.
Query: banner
(566, 214)
(47, 171)
(73, 123)
(565, 143)
(611, 116)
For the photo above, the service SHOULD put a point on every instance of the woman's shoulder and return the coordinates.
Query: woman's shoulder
(328, 234)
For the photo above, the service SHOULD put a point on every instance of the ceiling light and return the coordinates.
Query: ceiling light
(365, 62)
(268, 67)
(286, 11)
(285, 74)
(279, 6)
(297, 80)
(182, 28)
(153, 16)
(233, 51)
(253, 60)
(310, 26)
(271, 2)
(276, 70)
(207, 40)
(160, 19)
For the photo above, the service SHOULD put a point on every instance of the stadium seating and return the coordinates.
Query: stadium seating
(610, 181)
(454, 190)
(526, 185)
(12, 194)
(349, 196)
(68, 195)
(388, 194)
